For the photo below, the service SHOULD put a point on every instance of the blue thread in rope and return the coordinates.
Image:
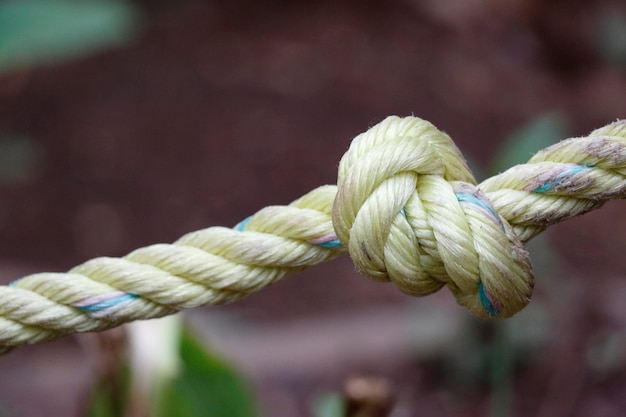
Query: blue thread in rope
(556, 181)
(102, 305)
(484, 300)
(242, 224)
(335, 243)
(472, 199)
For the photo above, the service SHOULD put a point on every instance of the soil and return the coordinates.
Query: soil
(220, 108)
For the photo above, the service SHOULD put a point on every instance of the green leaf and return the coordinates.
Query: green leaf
(612, 38)
(46, 31)
(21, 159)
(541, 132)
(330, 404)
(207, 387)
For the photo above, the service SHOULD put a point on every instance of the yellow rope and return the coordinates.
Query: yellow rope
(406, 208)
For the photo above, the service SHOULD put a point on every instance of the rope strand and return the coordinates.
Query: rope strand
(406, 207)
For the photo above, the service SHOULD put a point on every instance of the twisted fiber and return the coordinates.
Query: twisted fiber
(207, 267)
(406, 207)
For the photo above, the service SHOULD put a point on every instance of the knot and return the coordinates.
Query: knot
(409, 211)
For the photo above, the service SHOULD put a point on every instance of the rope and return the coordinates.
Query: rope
(406, 208)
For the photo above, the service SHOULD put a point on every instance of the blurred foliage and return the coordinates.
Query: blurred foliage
(206, 387)
(537, 134)
(47, 31)
(21, 159)
(109, 396)
(330, 404)
(612, 38)
(490, 353)
(514, 342)
(605, 351)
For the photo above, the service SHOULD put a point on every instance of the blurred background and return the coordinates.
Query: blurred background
(127, 123)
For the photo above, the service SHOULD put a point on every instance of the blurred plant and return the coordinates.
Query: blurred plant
(206, 386)
(169, 373)
(605, 352)
(512, 343)
(611, 38)
(21, 159)
(154, 360)
(542, 131)
(488, 353)
(108, 395)
(329, 404)
(47, 31)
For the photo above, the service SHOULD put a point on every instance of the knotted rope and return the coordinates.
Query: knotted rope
(406, 207)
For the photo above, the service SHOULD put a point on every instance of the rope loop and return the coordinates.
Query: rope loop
(409, 211)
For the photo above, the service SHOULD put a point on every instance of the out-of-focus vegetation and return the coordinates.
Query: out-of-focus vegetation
(201, 385)
(537, 134)
(20, 159)
(48, 31)
(489, 353)
(612, 38)
(330, 404)
(206, 386)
